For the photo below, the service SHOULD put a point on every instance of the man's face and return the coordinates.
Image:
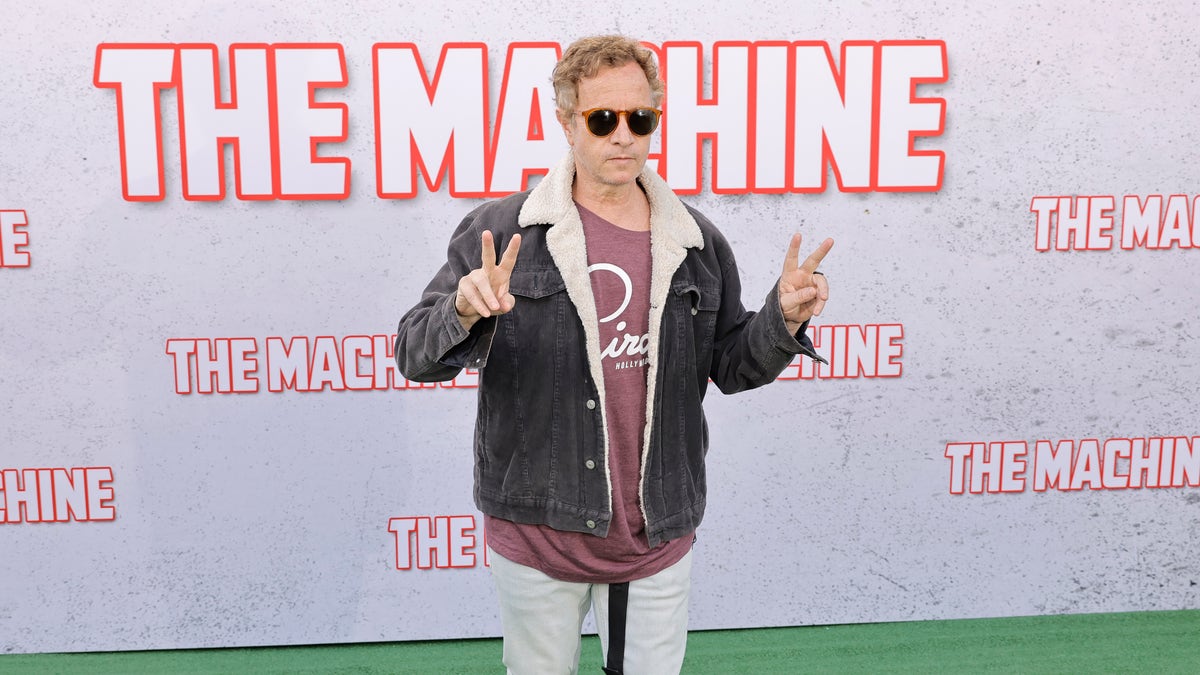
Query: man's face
(603, 164)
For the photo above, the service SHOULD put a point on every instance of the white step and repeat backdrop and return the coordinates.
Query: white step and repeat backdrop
(213, 214)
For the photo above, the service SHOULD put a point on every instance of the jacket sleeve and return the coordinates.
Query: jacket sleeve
(431, 343)
(750, 349)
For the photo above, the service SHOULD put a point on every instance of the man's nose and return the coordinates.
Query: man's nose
(622, 135)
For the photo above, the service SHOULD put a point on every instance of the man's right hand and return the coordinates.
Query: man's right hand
(484, 292)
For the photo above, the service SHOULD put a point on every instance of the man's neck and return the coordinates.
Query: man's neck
(626, 206)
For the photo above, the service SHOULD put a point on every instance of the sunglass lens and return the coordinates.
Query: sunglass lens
(642, 121)
(602, 122)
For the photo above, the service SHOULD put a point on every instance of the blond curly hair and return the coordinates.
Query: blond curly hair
(586, 56)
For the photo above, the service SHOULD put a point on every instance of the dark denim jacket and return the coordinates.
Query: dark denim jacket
(540, 443)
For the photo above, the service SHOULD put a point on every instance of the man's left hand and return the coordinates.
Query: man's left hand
(803, 291)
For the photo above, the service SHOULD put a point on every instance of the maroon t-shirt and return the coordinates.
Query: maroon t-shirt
(619, 267)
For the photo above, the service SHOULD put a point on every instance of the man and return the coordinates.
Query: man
(596, 333)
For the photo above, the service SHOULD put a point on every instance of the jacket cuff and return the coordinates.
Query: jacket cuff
(797, 343)
(468, 349)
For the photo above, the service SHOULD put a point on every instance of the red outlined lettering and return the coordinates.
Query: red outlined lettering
(447, 117)
(299, 71)
(367, 362)
(1079, 223)
(1111, 475)
(689, 118)
(418, 118)
(1141, 222)
(357, 351)
(835, 116)
(1176, 227)
(1085, 470)
(287, 364)
(325, 365)
(14, 239)
(1159, 224)
(1052, 465)
(901, 117)
(958, 454)
(987, 467)
(442, 542)
(138, 73)
(780, 117)
(867, 351)
(769, 162)
(56, 495)
(1073, 223)
(514, 156)
(1185, 460)
(1072, 466)
(781, 113)
(298, 363)
(220, 365)
(272, 120)
(206, 124)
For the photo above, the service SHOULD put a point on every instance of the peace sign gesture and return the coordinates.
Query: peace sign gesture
(484, 291)
(802, 289)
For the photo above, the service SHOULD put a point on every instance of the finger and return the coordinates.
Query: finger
(510, 253)
(795, 300)
(507, 302)
(822, 286)
(468, 302)
(813, 261)
(488, 251)
(477, 289)
(483, 284)
(792, 259)
(818, 307)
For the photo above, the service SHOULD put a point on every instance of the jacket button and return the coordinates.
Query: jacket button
(591, 464)
(591, 524)
(591, 404)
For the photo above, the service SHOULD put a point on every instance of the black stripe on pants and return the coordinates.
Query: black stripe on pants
(618, 603)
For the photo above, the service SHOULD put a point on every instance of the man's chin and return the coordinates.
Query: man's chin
(623, 171)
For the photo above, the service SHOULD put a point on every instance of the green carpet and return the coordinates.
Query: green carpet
(1141, 642)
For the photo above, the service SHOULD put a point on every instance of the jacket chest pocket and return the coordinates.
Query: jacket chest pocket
(538, 319)
(536, 284)
(695, 307)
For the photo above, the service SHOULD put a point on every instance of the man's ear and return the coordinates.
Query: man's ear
(564, 118)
